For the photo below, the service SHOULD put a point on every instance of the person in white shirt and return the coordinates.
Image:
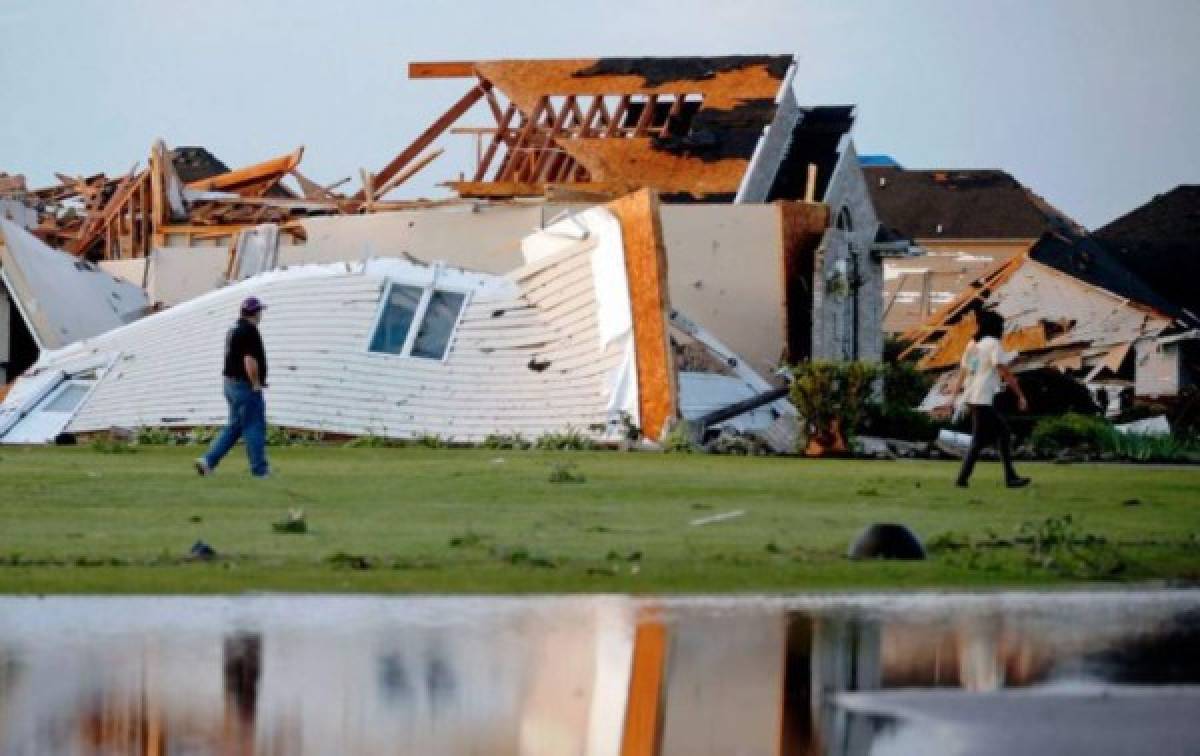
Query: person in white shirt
(983, 373)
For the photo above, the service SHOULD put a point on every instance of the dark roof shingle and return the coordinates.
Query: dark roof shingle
(960, 204)
(1160, 241)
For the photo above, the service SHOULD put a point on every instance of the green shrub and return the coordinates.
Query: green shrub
(431, 441)
(202, 435)
(506, 441)
(569, 440)
(679, 439)
(1071, 431)
(1137, 447)
(831, 397)
(371, 441)
(155, 437)
(110, 445)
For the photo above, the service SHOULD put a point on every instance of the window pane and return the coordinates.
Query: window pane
(397, 318)
(68, 399)
(438, 326)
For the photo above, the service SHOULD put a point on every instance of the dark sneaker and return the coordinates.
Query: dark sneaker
(1017, 482)
(202, 468)
(961, 484)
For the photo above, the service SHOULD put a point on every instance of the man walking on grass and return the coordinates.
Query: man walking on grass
(245, 378)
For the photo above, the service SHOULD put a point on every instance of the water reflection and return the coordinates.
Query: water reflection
(604, 675)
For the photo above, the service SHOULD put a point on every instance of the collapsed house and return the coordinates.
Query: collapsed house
(401, 349)
(769, 233)
(959, 224)
(1071, 309)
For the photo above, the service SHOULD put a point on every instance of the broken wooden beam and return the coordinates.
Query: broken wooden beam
(452, 114)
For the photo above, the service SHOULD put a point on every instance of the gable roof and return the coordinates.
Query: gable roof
(1160, 241)
(961, 204)
(815, 140)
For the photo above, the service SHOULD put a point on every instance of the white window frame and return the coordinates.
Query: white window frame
(427, 290)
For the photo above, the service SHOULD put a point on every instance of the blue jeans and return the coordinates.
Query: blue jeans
(247, 419)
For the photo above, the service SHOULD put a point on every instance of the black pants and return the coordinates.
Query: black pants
(987, 428)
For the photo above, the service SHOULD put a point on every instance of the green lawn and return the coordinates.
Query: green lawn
(425, 520)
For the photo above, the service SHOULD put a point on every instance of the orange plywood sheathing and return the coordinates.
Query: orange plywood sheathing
(802, 226)
(646, 271)
(642, 733)
(254, 180)
(954, 312)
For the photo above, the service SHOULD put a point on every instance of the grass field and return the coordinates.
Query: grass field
(429, 520)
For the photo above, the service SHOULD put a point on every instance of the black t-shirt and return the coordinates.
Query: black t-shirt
(241, 341)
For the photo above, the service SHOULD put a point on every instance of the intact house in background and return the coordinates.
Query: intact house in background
(960, 224)
(1160, 241)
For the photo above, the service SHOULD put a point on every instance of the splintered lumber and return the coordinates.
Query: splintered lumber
(455, 111)
(408, 172)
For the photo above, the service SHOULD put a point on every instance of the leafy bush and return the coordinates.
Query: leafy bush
(1071, 431)
(513, 441)
(898, 421)
(679, 439)
(155, 437)
(371, 441)
(202, 435)
(110, 445)
(1137, 447)
(569, 440)
(831, 397)
(431, 441)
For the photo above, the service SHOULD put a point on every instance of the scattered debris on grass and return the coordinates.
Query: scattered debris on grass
(1055, 544)
(467, 540)
(566, 472)
(294, 523)
(722, 517)
(343, 560)
(201, 552)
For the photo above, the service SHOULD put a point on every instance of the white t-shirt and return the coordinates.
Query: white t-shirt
(981, 379)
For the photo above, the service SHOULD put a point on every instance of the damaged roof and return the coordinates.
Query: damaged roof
(1160, 241)
(816, 140)
(961, 204)
(1066, 300)
(680, 125)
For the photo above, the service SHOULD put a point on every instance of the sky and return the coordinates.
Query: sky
(1093, 104)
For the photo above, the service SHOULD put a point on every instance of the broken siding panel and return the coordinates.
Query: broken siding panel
(323, 378)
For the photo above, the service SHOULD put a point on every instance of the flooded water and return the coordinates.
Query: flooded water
(1087, 673)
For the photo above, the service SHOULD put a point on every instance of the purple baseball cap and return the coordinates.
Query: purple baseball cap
(251, 305)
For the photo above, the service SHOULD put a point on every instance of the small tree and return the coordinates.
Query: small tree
(831, 397)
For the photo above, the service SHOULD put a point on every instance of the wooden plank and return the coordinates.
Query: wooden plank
(646, 117)
(618, 114)
(516, 155)
(646, 271)
(253, 180)
(448, 69)
(547, 146)
(408, 172)
(426, 138)
(502, 126)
